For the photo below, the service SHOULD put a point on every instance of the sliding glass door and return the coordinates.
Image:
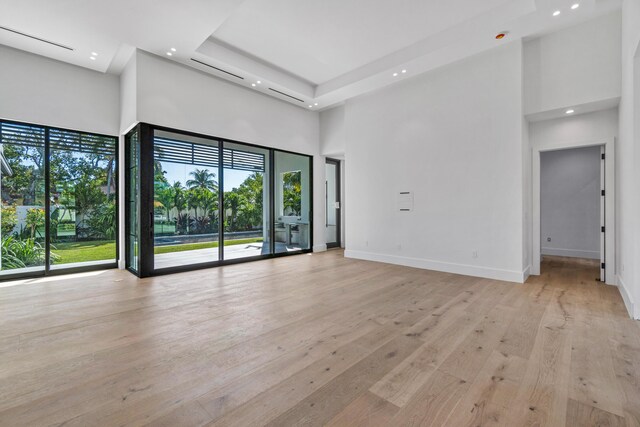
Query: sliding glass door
(197, 201)
(245, 201)
(59, 200)
(186, 210)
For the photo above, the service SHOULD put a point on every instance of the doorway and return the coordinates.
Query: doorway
(332, 203)
(573, 204)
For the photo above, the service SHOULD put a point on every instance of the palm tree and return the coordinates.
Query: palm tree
(233, 202)
(208, 201)
(202, 178)
(166, 197)
(179, 197)
(193, 200)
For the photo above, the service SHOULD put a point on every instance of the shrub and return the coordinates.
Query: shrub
(201, 225)
(34, 220)
(18, 253)
(9, 220)
(102, 222)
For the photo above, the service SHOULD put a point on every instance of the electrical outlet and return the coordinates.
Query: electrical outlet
(548, 239)
(474, 254)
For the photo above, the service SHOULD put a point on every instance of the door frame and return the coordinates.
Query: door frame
(337, 164)
(609, 202)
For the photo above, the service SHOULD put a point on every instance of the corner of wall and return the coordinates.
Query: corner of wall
(128, 94)
(627, 297)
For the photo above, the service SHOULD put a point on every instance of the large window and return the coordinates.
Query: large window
(83, 216)
(186, 189)
(23, 208)
(293, 202)
(59, 195)
(203, 201)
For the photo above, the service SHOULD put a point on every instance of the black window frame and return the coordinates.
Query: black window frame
(47, 271)
(146, 240)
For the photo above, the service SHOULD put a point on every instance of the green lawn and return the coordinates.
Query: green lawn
(84, 251)
(102, 250)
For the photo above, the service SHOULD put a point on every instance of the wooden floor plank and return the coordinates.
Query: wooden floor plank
(367, 410)
(433, 403)
(492, 394)
(580, 415)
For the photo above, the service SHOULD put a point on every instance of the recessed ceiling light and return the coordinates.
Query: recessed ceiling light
(404, 71)
(310, 106)
(93, 58)
(570, 111)
(258, 82)
(169, 54)
(395, 74)
(173, 49)
(502, 35)
(575, 6)
(94, 54)
(316, 104)
(253, 84)
(556, 13)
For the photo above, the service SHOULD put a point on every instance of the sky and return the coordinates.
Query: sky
(179, 172)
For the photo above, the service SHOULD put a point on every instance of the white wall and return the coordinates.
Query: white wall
(129, 95)
(333, 136)
(176, 96)
(628, 173)
(333, 141)
(39, 90)
(455, 138)
(574, 66)
(570, 202)
(581, 128)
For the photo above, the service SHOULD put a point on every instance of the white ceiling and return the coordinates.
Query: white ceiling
(321, 40)
(320, 52)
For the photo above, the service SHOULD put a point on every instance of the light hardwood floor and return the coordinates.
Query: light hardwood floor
(318, 339)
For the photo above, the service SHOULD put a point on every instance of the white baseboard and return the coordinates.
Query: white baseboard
(526, 273)
(573, 253)
(628, 300)
(319, 248)
(447, 267)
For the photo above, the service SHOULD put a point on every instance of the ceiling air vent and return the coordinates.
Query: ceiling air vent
(35, 38)
(284, 94)
(216, 68)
